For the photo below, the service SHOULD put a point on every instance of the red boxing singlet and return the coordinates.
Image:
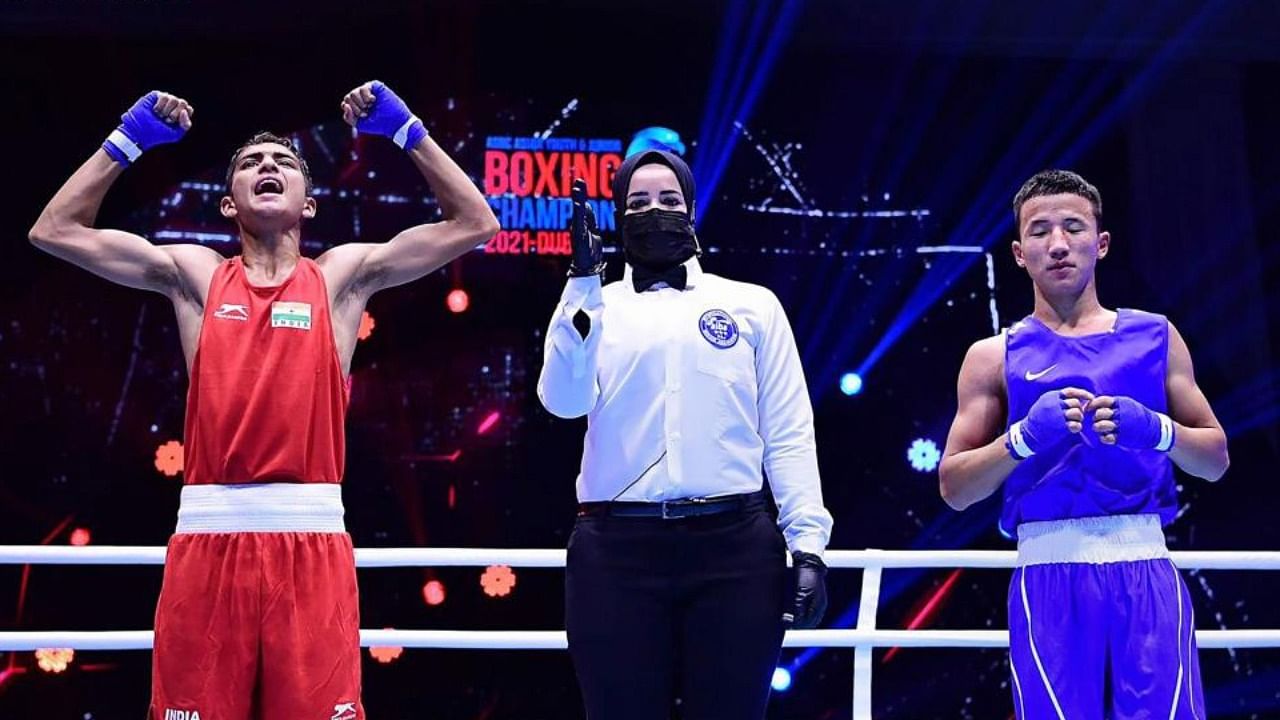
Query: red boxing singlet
(268, 398)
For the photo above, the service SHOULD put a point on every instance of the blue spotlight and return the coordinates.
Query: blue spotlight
(924, 455)
(851, 383)
(781, 679)
(656, 138)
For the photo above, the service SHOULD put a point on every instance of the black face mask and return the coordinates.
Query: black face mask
(658, 239)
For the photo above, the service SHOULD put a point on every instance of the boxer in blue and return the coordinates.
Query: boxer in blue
(1080, 412)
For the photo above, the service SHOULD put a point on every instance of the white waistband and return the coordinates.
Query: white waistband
(261, 507)
(1112, 538)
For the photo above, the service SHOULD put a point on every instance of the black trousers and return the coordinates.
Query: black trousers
(665, 614)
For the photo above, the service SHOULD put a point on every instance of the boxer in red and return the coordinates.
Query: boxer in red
(258, 615)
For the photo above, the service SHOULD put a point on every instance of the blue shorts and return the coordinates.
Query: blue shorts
(1100, 624)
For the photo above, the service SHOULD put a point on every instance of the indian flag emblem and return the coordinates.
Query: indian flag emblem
(291, 315)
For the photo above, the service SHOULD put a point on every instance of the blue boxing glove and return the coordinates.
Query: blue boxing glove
(155, 119)
(1129, 424)
(1055, 416)
(375, 109)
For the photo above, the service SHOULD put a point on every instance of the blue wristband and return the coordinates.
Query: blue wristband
(1167, 434)
(121, 148)
(1016, 444)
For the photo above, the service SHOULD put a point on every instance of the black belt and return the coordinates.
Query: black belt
(676, 509)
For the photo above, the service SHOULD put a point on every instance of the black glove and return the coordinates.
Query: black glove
(811, 592)
(588, 255)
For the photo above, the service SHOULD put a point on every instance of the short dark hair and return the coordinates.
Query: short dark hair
(1057, 182)
(269, 137)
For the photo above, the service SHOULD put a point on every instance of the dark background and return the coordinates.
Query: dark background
(1170, 108)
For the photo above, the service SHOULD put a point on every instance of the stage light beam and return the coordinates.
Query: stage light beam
(433, 592)
(367, 324)
(54, 660)
(851, 383)
(489, 421)
(498, 580)
(169, 459)
(458, 301)
(781, 679)
(924, 455)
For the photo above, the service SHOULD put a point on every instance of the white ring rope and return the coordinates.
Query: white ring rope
(555, 639)
(479, 557)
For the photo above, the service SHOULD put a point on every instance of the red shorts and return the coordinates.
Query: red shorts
(257, 626)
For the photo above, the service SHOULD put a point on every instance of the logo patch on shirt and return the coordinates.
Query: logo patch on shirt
(344, 711)
(229, 311)
(291, 315)
(719, 328)
(1034, 376)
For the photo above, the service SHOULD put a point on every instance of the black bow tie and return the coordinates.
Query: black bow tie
(643, 279)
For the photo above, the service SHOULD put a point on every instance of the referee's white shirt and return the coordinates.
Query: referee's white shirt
(687, 394)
